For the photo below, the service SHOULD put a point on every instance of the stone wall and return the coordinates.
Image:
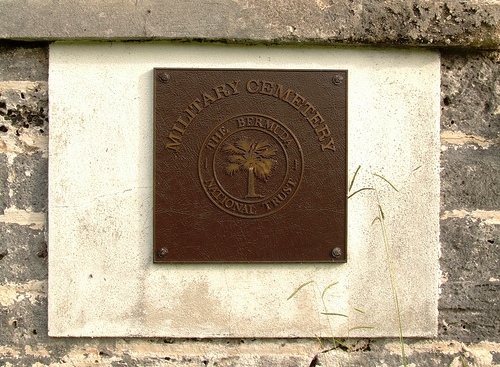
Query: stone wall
(469, 303)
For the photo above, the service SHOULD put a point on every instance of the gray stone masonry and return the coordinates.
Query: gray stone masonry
(470, 294)
(26, 61)
(469, 303)
(394, 22)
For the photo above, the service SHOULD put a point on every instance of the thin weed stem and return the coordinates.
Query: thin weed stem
(381, 219)
(325, 310)
(328, 314)
(392, 274)
(354, 177)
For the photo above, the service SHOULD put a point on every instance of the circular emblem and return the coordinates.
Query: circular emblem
(251, 165)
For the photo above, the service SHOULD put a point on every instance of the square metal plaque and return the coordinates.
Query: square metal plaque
(250, 165)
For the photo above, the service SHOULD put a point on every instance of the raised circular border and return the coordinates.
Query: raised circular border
(283, 184)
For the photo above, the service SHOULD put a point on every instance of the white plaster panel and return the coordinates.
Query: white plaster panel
(102, 280)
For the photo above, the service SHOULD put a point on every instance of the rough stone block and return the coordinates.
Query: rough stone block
(469, 250)
(24, 323)
(470, 93)
(496, 358)
(29, 182)
(469, 304)
(23, 106)
(4, 184)
(469, 311)
(23, 253)
(469, 178)
(24, 61)
(24, 143)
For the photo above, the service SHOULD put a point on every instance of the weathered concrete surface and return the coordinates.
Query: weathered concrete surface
(466, 235)
(415, 23)
(101, 198)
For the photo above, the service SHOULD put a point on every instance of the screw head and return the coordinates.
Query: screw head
(337, 79)
(162, 252)
(164, 77)
(336, 252)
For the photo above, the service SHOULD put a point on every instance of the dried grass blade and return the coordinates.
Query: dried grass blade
(386, 180)
(299, 288)
(333, 314)
(354, 177)
(363, 189)
(327, 288)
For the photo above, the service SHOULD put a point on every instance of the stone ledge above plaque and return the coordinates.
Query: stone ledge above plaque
(250, 165)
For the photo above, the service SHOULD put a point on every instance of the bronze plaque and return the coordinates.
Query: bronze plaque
(250, 165)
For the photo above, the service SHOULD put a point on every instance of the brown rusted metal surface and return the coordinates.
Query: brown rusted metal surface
(250, 165)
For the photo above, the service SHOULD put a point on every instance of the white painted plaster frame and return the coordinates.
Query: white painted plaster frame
(102, 281)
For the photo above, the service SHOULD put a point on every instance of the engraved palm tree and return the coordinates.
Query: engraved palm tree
(254, 157)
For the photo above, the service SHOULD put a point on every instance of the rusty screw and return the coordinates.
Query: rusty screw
(162, 252)
(164, 77)
(337, 79)
(336, 252)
